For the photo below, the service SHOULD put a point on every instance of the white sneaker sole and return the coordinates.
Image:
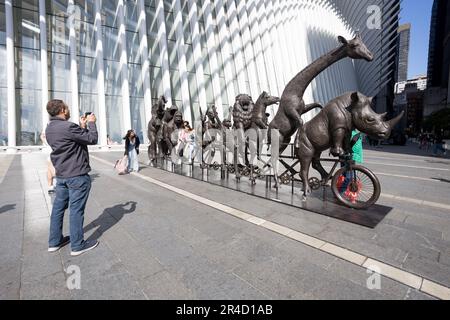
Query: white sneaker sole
(77, 253)
(54, 249)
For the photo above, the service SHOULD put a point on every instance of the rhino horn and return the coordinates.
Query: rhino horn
(392, 123)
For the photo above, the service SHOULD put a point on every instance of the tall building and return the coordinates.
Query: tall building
(438, 94)
(439, 50)
(409, 97)
(404, 34)
(116, 57)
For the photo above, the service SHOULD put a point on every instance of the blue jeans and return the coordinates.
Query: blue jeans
(438, 147)
(71, 193)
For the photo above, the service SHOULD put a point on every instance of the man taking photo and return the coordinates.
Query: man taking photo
(70, 157)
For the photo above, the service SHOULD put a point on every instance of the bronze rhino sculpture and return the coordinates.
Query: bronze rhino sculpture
(332, 129)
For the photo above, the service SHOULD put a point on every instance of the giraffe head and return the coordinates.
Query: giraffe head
(356, 49)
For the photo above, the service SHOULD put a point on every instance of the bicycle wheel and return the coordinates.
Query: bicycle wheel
(358, 188)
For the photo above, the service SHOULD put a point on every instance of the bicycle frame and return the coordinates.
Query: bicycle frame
(346, 160)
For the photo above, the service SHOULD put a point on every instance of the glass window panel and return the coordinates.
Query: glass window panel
(170, 26)
(131, 15)
(156, 81)
(133, 42)
(223, 91)
(205, 61)
(152, 22)
(200, 10)
(173, 61)
(114, 121)
(193, 90)
(87, 75)
(59, 72)
(168, 5)
(29, 124)
(3, 117)
(57, 7)
(154, 52)
(28, 68)
(3, 79)
(64, 96)
(176, 84)
(111, 44)
(187, 30)
(209, 90)
(109, 13)
(2, 25)
(86, 43)
(86, 10)
(190, 58)
(151, 3)
(138, 117)
(113, 79)
(26, 31)
(88, 103)
(27, 4)
(57, 34)
(135, 80)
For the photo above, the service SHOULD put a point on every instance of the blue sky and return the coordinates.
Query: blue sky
(418, 13)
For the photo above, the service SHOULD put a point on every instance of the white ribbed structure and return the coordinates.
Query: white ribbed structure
(223, 48)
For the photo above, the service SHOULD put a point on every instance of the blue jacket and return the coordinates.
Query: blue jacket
(70, 155)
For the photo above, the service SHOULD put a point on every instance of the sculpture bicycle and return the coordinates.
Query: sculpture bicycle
(353, 185)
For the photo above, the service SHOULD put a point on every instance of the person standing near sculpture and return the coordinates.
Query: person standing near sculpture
(132, 144)
(70, 157)
(50, 167)
(189, 143)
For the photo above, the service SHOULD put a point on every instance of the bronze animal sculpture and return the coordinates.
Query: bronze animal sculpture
(259, 115)
(292, 106)
(154, 126)
(165, 147)
(242, 121)
(170, 133)
(332, 128)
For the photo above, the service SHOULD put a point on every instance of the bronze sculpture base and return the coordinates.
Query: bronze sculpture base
(320, 202)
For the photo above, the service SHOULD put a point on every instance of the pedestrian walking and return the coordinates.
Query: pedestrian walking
(132, 143)
(438, 146)
(70, 157)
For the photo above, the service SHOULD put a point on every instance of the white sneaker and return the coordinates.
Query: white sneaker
(66, 240)
(88, 245)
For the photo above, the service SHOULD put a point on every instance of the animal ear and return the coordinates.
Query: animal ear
(342, 40)
(355, 97)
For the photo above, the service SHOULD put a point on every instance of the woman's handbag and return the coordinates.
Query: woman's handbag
(122, 165)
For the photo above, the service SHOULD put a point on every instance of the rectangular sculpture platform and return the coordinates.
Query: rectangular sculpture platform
(321, 202)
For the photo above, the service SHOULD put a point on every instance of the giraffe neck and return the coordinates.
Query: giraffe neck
(306, 76)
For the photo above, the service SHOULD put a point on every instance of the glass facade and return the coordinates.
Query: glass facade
(64, 16)
(198, 53)
(3, 85)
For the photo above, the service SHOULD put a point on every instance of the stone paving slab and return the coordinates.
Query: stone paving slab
(388, 243)
(179, 249)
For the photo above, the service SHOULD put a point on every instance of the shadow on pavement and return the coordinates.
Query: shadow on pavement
(441, 180)
(7, 208)
(109, 218)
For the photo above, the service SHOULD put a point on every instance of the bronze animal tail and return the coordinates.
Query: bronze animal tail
(312, 106)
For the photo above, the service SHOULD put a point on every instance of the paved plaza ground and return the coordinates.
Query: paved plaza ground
(163, 236)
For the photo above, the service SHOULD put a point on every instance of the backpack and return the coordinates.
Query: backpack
(122, 165)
